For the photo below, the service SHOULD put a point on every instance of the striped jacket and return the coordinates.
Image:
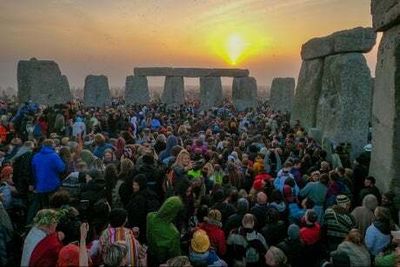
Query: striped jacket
(338, 222)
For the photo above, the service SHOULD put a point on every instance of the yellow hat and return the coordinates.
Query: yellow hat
(200, 241)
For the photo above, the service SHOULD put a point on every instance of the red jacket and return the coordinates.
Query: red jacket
(217, 237)
(310, 234)
(45, 254)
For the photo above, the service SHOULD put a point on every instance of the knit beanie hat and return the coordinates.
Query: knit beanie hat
(214, 217)
(200, 242)
(342, 200)
(6, 171)
(293, 232)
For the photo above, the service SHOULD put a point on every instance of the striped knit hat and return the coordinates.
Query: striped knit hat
(342, 200)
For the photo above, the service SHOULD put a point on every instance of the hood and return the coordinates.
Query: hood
(383, 227)
(171, 142)
(370, 202)
(47, 150)
(170, 209)
(87, 156)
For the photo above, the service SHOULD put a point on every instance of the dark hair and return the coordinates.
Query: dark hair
(59, 199)
(324, 178)
(117, 217)
(371, 179)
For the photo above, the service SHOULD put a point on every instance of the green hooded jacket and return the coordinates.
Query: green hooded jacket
(162, 235)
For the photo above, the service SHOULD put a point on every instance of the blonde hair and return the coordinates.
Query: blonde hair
(115, 254)
(179, 158)
(278, 255)
(126, 166)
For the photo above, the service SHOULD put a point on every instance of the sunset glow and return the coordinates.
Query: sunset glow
(113, 37)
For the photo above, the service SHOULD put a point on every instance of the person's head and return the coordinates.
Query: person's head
(310, 217)
(369, 181)
(315, 176)
(242, 205)
(200, 242)
(382, 214)
(287, 166)
(99, 139)
(108, 155)
(343, 201)
(355, 236)
(59, 199)
(46, 219)
(115, 255)
(293, 232)
(139, 183)
(214, 217)
(387, 199)
(118, 217)
(126, 166)
(183, 158)
(262, 198)
(275, 257)
(248, 221)
(370, 201)
(324, 178)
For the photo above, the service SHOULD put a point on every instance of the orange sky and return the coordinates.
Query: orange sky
(111, 37)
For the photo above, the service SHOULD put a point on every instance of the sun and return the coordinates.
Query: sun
(235, 47)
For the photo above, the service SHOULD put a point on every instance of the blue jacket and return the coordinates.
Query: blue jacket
(375, 240)
(46, 167)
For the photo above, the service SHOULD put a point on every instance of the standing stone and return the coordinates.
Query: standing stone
(96, 91)
(385, 14)
(174, 91)
(282, 94)
(307, 93)
(385, 157)
(137, 90)
(210, 92)
(244, 93)
(359, 39)
(41, 82)
(345, 100)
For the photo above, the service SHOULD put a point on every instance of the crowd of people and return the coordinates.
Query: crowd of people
(153, 185)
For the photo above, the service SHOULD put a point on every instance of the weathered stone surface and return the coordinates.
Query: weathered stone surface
(307, 93)
(210, 91)
(190, 72)
(345, 99)
(137, 90)
(385, 14)
(282, 94)
(97, 91)
(353, 40)
(41, 81)
(385, 155)
(244, 93)
(173, 93)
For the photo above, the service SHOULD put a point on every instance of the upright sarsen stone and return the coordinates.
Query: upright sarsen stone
(137, 90)
(307, 93)
(41, 82)
(97, 91)
(345, 100)
(385, 14)
(282, 94)
(174, 91)
(210, 91)
(385, 156)
(244, 93)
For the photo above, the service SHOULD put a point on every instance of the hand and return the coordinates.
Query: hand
(84, 230)
(136, 232)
